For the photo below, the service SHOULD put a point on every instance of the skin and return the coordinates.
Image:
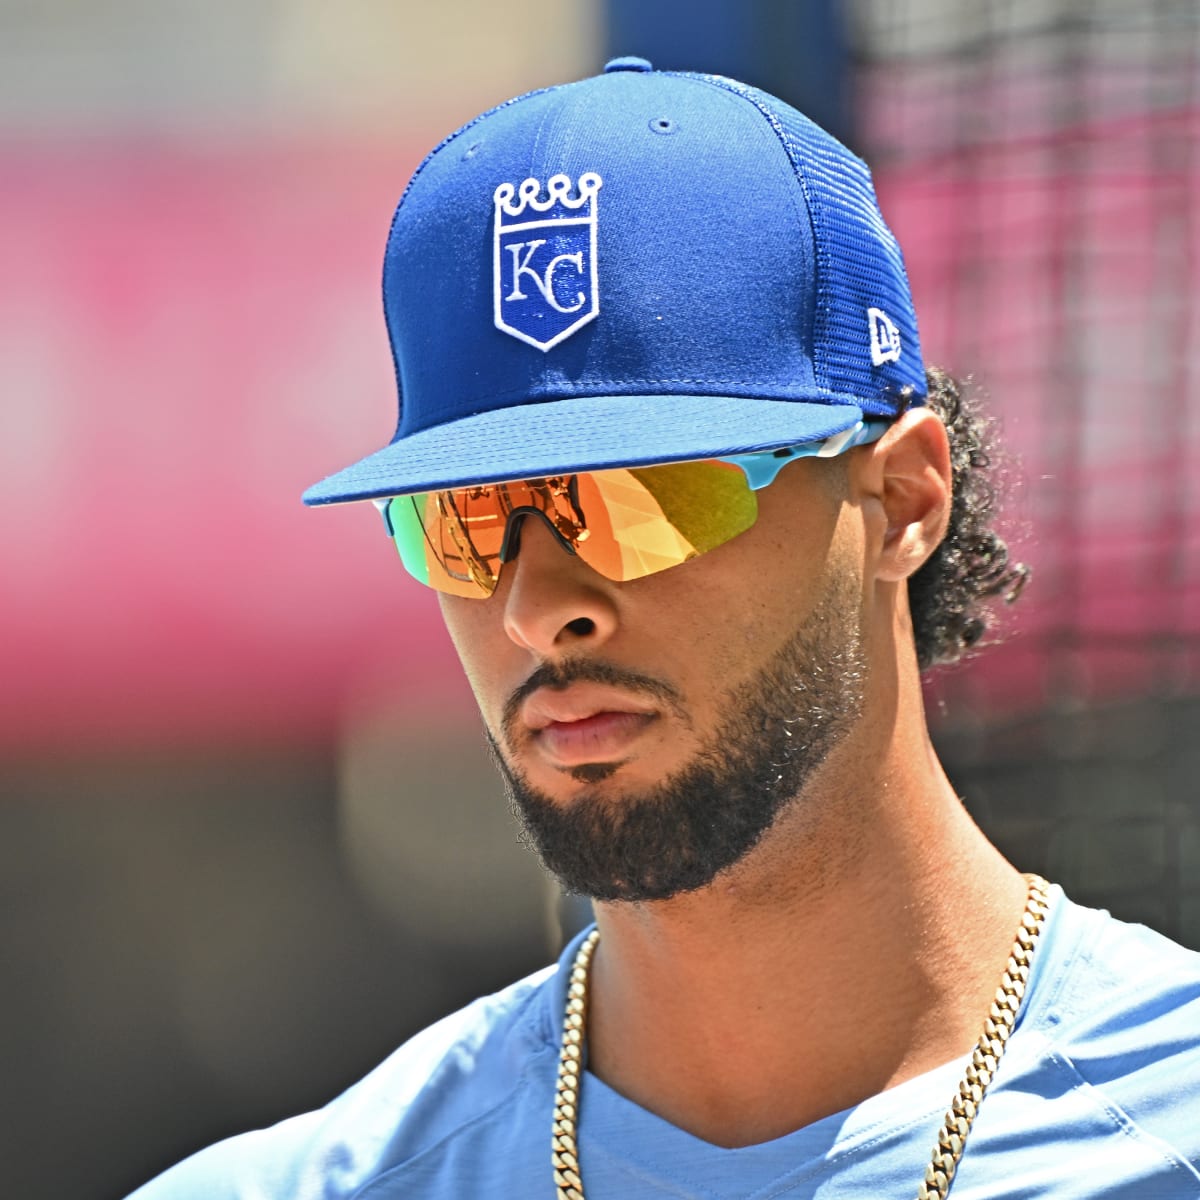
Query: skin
(860, 942)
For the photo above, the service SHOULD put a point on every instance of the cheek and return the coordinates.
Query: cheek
(476, 630)
(751, 596)
(774, 571)
(705, 624)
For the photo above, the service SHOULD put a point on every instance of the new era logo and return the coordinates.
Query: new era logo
(885, 337)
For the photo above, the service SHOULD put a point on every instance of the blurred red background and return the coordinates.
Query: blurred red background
(249, 839)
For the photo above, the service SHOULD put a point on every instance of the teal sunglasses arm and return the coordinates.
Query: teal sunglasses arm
(762, 466)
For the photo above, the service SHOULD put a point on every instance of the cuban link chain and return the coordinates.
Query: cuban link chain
(952, 1137)
(985, 1058)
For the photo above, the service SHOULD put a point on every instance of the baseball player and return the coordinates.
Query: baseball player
(698, 517)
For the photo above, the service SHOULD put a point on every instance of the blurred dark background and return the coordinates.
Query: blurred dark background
(250, 839)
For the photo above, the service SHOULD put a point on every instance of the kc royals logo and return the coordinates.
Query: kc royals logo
(545, 259)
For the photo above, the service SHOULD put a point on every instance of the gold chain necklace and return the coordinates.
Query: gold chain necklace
(952, 1136)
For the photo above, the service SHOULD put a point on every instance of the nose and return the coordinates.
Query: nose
(554, 603)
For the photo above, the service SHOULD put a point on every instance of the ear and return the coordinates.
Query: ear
(910, 479)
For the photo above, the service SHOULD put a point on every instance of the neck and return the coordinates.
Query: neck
(858, 946)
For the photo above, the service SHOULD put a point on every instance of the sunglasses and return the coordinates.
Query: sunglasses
(624, 523)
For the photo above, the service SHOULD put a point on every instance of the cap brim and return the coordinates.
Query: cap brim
(589, 433)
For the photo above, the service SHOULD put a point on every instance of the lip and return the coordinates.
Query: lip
(602, 738)
(584, 724)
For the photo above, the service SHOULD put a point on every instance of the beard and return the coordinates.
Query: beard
(778, 727)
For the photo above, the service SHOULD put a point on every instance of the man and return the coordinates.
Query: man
(698, 517)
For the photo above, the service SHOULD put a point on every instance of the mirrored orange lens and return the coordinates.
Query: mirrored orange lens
(435, 546)
(646, 519)
(623, 523)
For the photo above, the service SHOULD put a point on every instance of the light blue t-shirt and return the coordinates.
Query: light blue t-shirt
(1098, 1095)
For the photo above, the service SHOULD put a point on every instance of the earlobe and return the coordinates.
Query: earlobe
(913, 475)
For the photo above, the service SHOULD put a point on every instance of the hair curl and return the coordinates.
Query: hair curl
(949, 595)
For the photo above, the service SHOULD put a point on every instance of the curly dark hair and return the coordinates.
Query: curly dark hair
(949, 595)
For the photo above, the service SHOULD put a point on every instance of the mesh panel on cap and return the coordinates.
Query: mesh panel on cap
(859, 263)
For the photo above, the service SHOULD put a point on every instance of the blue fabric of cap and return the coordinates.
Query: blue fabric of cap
(711, 277)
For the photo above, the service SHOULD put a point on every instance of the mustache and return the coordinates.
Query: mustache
(560, 675)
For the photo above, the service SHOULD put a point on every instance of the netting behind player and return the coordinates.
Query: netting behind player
(1039, 163)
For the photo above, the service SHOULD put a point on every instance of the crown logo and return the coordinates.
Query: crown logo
(544, 258)
(558, 195)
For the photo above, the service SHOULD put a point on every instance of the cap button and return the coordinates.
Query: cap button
(627, 62)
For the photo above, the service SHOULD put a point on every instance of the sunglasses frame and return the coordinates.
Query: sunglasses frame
(761, 468)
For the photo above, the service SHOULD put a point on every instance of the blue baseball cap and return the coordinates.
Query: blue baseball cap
(640, 267)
